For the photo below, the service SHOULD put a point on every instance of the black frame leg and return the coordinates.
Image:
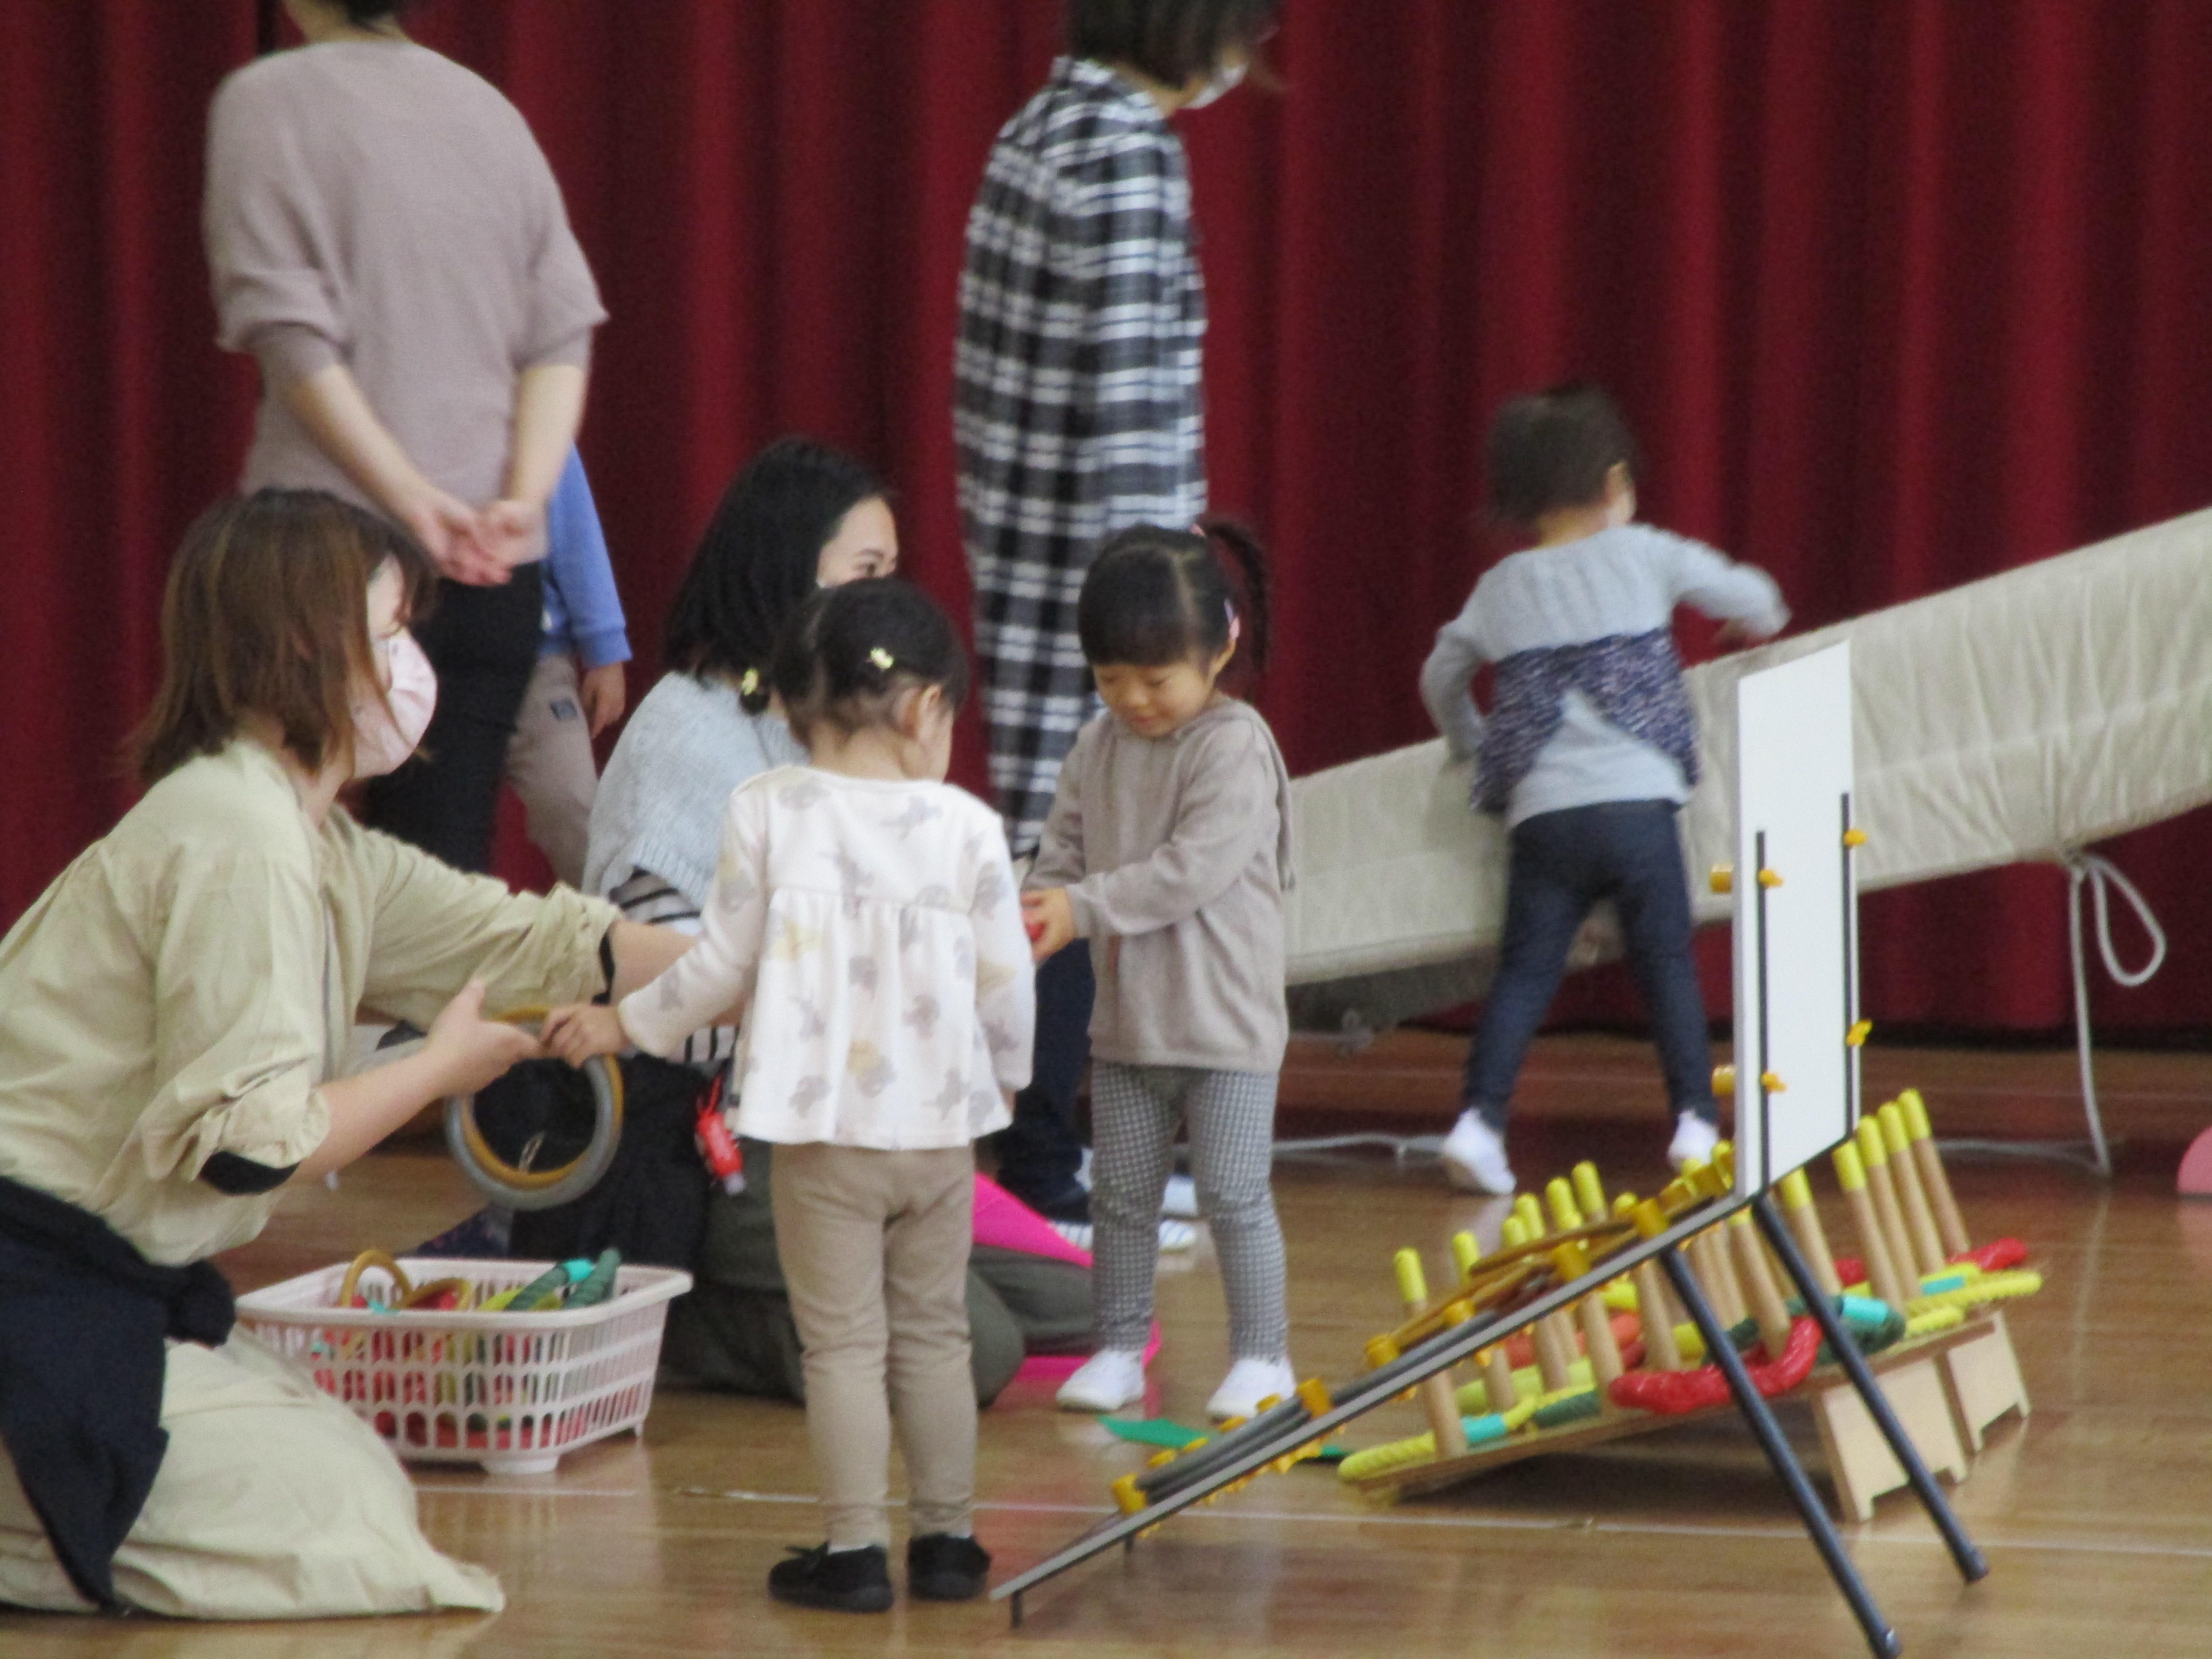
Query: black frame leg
(1972, 1566)
(1880, 1635)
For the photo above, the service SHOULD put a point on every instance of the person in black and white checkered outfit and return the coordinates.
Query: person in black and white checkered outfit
(1078, 411)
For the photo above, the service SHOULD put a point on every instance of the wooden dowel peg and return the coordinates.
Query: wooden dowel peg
(1599, 1342)
(1873, 1153)
(1439, 1400)
(1654, 1314)
(1919, 1218)
(1804, 1218)
(1933, 1177)
(1497, 1378)
(1774, 1319)
(1725, 1284)
(1554, 1341)
(1882, 1271)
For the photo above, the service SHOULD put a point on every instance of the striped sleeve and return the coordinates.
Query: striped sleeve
(647, 897)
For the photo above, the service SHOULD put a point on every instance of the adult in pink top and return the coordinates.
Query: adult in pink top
(386, 238)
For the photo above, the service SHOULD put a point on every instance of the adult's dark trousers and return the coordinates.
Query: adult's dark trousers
(1563, 863)
(1040, 1151)
(484, 642)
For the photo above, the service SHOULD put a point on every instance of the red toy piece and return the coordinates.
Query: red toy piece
(1673, 1394)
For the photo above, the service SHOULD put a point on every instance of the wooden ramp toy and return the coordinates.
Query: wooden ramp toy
(1952, 1374)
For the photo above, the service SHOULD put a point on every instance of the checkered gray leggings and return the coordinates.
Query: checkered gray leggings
(1134, 1110)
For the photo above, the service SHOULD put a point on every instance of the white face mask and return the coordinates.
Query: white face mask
(1224, 81)
(383, 739)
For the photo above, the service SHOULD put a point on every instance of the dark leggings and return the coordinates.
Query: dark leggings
(1564, 863)
(484, 642)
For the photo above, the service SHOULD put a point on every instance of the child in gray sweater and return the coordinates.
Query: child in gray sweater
(1168, 847)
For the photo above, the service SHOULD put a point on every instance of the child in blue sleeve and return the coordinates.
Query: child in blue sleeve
(549, 760)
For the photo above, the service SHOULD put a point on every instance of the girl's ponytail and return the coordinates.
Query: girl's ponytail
(1251, 560)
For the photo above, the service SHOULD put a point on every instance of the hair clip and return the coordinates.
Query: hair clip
(750, 684)
(882, 658)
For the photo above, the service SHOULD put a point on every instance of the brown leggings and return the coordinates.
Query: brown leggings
(874, 1246)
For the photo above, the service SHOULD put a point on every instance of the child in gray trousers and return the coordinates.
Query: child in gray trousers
(1168, 847)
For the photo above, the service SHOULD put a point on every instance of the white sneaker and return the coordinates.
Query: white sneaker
(1181, 1199)
(1694, 1143)
(1475, 1158)
(1175, 1236)
(1248, 1382)
(1109, 1379)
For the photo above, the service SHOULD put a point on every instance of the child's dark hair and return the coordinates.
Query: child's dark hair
(851, 650)
(1170, 40)
(1155, 597)
(1553, 449)
(757, 561)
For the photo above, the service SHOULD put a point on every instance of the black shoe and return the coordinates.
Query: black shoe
(941, 1567)
(850, 1581)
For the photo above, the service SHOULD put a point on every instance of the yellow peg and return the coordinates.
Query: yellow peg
(1722, 879)
(1570, 1261)
(1590, 1191)
(1858, 1035)
(1873, 1151)
(1126, 1497)
(1724, 1164)
(1772, 1083)
(1850, 1174)
(1438, 1400)
(1919, 1214)
(1565, 1217)
(1855, 837)
(1881, 1269)
(1380, 1350)
(1513, 1233)
(1531, 1213)
(1724, 1081)
(1769, 879)
(1804, 1220)
(1932, 1173)
(1315, 1393)
(1465, 1254)
(1624, 1203)
(1650, 1220)
(1412, 1283)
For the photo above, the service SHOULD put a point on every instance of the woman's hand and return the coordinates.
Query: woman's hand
(1050, 919)
(469, 1050)
(513, 533)
(452, 533)
(583, 1030)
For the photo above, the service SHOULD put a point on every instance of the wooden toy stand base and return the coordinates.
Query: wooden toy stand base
(1282, 1430)
(1917, 1376)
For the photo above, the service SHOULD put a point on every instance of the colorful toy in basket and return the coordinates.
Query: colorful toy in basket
(1927, 1292)
(511, 1365)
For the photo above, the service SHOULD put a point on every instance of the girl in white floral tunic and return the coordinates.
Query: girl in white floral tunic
(864, 923)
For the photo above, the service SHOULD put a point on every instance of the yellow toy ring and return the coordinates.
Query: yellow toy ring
(538, 1190)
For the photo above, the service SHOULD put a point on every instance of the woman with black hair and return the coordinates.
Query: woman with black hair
(801, 517)
(386, 238)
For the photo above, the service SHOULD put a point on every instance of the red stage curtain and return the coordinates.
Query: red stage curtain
(1897, 294)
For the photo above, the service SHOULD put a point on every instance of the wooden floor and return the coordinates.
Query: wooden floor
(2094, 1514)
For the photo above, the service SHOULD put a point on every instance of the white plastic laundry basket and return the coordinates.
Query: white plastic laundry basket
(512, 1391)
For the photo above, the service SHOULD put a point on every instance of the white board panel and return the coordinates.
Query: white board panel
(1797, 994)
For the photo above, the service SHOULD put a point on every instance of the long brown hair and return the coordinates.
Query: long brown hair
(266, 613)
